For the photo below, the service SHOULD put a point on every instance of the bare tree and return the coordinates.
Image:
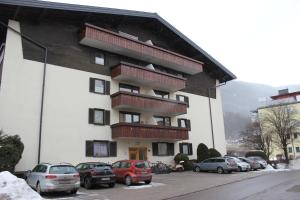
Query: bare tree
(253, 138)
(280, 121)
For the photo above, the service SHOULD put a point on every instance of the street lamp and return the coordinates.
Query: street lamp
(210, 113)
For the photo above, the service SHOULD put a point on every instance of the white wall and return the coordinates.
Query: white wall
(66, 103)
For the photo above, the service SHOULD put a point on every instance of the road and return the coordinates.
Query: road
(274, 186)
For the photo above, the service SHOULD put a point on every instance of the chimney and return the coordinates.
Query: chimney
(283, 91)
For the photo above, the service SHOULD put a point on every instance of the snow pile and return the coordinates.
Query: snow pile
(13, 188)
(270, 168)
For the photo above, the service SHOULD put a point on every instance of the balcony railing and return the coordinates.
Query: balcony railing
(127, 101)
(143, 131)
(104, 39)
(130, 73)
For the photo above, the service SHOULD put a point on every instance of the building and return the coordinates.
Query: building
(290, 99)
(83, 83)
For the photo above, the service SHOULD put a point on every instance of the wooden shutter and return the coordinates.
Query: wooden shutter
(113, 149)
(186, 100)
(155, 149)
(106, 117)
(190, 149)
(89, 148)
(107, 87)
(170, 149)
(92, 85)
(188, 124)
(179, 122)
(180, 148)
(91, 115)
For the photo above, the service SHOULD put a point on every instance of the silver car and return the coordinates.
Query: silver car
(217, 164)
(46, 177)
(242, 166)
(262, 162)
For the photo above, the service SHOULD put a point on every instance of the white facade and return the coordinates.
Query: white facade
(65, 120)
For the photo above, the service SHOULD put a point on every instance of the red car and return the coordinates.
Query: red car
(132, 171)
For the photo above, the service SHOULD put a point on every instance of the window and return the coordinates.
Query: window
(290, 149)
(116, 165)
(298, 149)
(129, 117)
(186, 148)
(125, 165)
(184, 123)
(129, 88)
(162, 121)
(99, 86)
(182, 98)
(99, 58)
(161, 94)
(101, 149)
(99, 116)
(162, 149)
(220, 160)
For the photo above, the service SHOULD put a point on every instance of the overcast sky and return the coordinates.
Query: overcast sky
(258, 40)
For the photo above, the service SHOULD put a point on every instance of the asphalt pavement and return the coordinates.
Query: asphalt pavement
(283, 185)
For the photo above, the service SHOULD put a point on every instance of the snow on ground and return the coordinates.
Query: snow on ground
(270, 168)
(13, 188)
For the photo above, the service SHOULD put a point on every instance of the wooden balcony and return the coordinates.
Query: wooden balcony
(130, 73)
(143, 131)
(104, 39)
(126, 101)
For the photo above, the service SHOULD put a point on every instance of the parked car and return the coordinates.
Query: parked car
(47, 177)
(262, 162)
(242, 166)
(132, 171)
(95, 173)
(253, 163)
(217, 164)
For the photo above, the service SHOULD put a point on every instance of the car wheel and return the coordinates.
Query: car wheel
(239, 169)
(38, 188)
(88, 183)
(148, 182)
(262, 167)
(220, 170)
(73, 191)
(197, 169)
(128, 180)
(111, 185)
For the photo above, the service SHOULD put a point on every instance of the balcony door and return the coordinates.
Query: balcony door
(137, 153)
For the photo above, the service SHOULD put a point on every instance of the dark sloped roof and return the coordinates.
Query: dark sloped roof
(92, 9)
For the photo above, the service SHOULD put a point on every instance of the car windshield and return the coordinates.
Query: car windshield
(99, 165)
(142, 165)
(62, 169)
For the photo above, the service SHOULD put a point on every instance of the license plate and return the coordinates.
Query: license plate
(105, 179)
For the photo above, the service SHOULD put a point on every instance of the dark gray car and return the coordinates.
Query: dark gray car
(217, 164)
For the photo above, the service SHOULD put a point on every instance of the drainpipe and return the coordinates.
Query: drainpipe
(210, 112)
(43, 82)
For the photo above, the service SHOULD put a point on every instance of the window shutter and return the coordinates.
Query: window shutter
(190, 149)
(89, 148)
(179, 122)
(92, 85)
(180, 148)
(91, 116)
(170, 149)
(113, 149)
(106, 117)
(107, 87)
(177, 97)
(154, 149)
(188, 124)
(186, 100)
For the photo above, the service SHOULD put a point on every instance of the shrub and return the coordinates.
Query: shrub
(202, 152)
(11, 149)
(188, 165)
(257, 153)
(213, 153)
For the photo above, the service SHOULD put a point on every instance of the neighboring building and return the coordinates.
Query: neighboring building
(284, 98)
(115, 84)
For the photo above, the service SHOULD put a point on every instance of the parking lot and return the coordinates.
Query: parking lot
(163, 186)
